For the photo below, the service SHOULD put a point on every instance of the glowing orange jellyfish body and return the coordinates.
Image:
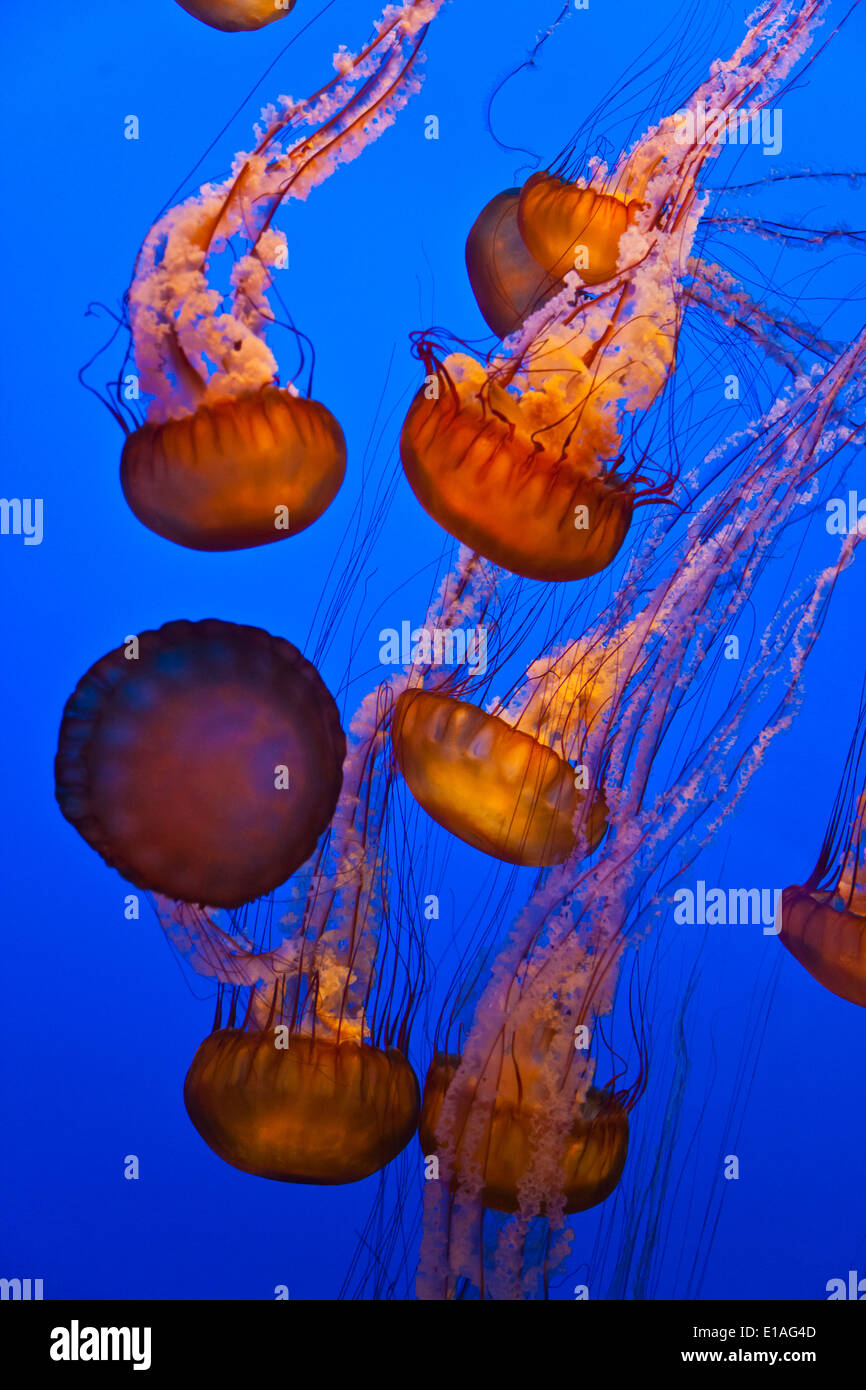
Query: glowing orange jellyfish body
(232, 15)
(317, 1111)
(492, 785)
(525, 241)
(506, 279)
(825, 928)
(237, 473)
(565, 227)
(201, 761)
(590, 1162)
(476, 463)
(827, 939)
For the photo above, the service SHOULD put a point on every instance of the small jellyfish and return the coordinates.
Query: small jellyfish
(236, 473)
(232, 15)
(824, 925)
(495, 786)
(202, 761)
(590, 1159)
(316, 1110)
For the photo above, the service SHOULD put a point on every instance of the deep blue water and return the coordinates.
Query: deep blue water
(99, 1021)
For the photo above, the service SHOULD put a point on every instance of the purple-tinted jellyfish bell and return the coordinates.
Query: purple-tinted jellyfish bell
(202, 761)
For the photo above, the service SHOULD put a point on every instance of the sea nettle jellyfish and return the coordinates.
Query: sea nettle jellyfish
(232, 15)
(202, 761)
(824, 920)
(229, 458)
(509, 781)
(306, 1076)
(518, 1117)
(522, 457)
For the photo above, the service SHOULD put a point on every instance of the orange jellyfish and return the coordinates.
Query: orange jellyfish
(513, 781)
(528, 480)
(565, 227)
(824, 928)
(228, 458)
(590, 1160)
(310, 1111)
(202, 761)
(491, 784)
(232, 15)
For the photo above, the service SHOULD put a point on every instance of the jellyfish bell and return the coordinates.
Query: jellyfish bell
(202, 761)
(237, 473)
(506, 279)
(828, 939)
(824, 928)
(490, 784)
(591, 1158)
(565, 227)
(233, 15)
(319, 1110)
(528, 494)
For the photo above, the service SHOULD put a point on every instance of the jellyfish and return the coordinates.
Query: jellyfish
(556, 217)
(316, 1111)
(301, 1080)
(228, 458)
(824, 927)
(591, 1160)
(522, 457)
(502, 781)
(202, 760)
(233, 15)
(305, 1078)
